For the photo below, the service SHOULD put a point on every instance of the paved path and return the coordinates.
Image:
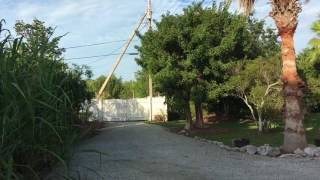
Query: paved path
(140, 151)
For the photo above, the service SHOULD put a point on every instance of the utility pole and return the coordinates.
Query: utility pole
(148, 16)
(123, 51)
(149, 19)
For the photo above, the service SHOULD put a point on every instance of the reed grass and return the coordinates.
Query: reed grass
(40, 97)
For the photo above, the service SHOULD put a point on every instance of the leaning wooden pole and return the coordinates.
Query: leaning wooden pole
(119, 58)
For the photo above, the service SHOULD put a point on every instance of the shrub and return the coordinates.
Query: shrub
(40, 101)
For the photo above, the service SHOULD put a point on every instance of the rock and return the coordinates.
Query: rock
(290, 156)
(300, 152)
(215, 142)
(317, 152)
(274, 152)
(243, 149)
(310, 151)
(240, 142)
(267, 150)
(197, 137)
(227, 148)
(219, 143)
(183, 131)
(311, 146)
(235, 149)
(264, 150)
(251, 149)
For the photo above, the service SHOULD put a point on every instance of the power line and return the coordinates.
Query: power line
(103, 55)
(96, 56)
(114, 51)
(94, 44)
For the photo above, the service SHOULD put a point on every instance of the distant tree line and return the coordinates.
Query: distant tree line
(120, 89)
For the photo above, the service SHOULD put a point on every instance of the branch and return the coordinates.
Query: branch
(245, 100)
(270, 86)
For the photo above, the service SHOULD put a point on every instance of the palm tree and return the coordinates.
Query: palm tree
(285, 14)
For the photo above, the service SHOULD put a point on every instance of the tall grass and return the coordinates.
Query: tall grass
(40, 97)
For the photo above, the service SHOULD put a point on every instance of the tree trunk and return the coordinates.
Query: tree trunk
(188, 125)
(199, 115)
(294, 134)
(245, 100)
(285, 14)
(260, 122)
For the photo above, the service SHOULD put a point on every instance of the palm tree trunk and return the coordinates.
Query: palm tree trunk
(294, 133)
(285, 14)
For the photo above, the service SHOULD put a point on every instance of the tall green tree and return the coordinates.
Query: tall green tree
(189, 53)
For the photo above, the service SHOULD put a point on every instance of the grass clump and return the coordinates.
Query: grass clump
(40, 98)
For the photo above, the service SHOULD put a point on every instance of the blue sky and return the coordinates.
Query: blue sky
(95, 21)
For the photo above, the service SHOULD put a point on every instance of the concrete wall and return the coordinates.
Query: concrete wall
(128, 110)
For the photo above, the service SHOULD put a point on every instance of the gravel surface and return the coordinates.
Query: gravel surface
(141, 151)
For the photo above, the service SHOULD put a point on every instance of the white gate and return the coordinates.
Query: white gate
(128, 110)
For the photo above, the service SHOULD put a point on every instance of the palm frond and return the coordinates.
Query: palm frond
(246, 6)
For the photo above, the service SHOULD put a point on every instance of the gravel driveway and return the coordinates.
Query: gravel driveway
(141, 151)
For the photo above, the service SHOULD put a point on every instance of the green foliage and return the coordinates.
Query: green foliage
(226, 131)
(137, 88)
(118, 89)
(112, 91)
(315, 42)
(190, 55)
(40, 101)
(309, 67)
(257, 84)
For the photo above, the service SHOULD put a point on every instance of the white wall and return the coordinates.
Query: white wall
(128, 110)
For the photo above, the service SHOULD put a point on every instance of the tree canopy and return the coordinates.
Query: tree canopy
(191, 54)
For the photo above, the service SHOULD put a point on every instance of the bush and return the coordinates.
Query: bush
(40, 101)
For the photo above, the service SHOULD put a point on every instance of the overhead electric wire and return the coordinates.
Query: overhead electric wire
(114, 51)
(103, 55)
(94, 44)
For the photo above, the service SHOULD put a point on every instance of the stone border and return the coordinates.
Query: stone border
(311, 152)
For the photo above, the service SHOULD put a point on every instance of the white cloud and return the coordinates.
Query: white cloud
(27, 11)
